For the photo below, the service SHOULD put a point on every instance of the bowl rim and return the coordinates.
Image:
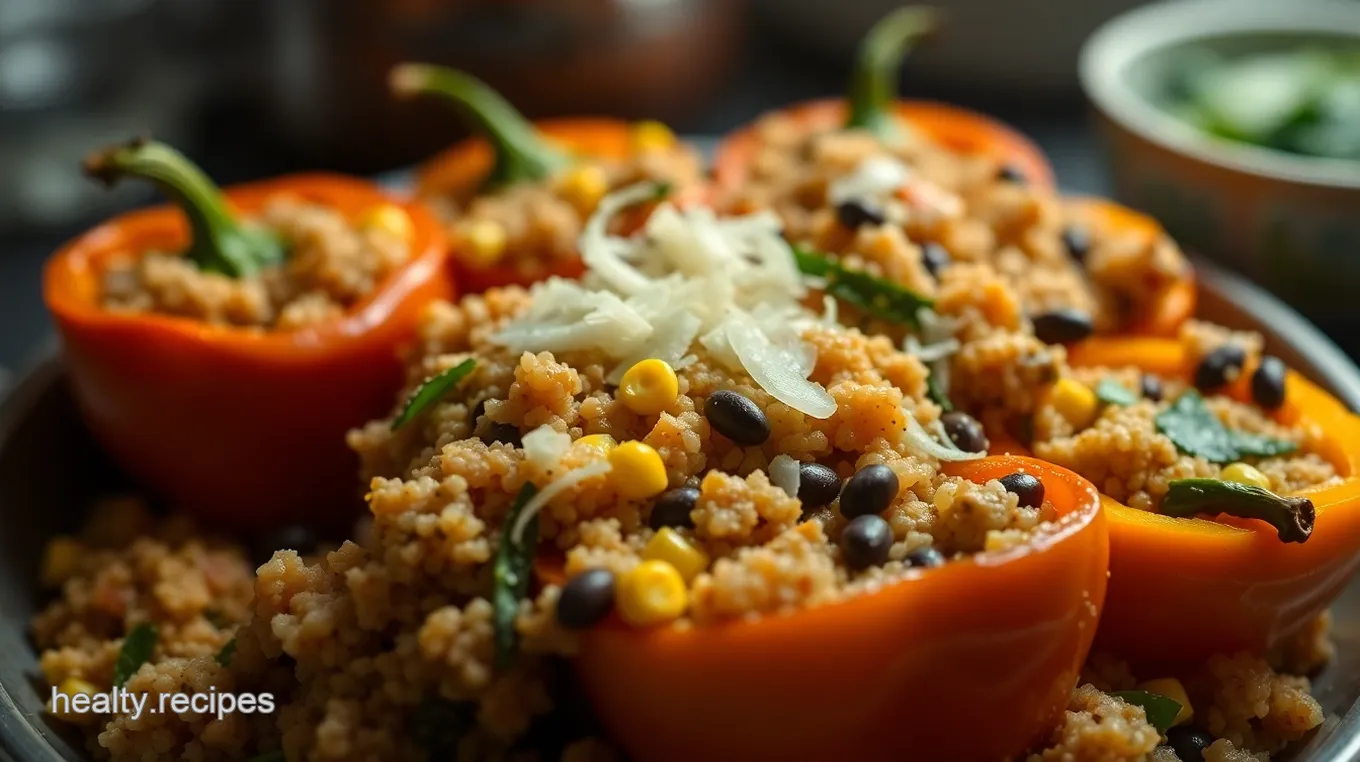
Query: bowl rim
(1149, 29)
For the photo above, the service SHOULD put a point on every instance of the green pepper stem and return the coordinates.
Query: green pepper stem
(1292, 517)
(521, 155)
(219, 242)
(873, 84)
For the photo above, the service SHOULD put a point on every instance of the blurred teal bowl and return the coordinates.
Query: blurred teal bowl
(1290, 222)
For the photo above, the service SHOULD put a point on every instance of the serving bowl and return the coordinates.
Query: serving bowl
(1290, 222)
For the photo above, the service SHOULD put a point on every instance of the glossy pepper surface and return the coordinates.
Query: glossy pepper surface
(509, 149)
(1174, 302)
(244, 427)
(1002, 633)
(871, 104)
(1182, 589)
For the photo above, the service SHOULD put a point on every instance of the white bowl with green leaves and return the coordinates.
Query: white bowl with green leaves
(1237, 124)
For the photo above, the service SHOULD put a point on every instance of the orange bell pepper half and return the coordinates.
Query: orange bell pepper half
(509, 150)
(1182, 589)
(1175, 302)
(243, 427)
(872, 104)
(1003, 634)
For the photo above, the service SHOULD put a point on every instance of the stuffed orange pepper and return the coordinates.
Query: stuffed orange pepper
(514, 200)
(906, 190)
(1232, 485)
(1002, 633)
(220, 348)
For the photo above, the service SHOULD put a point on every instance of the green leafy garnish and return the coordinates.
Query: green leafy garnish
(1111, 392)
(1292, 517)
(432, 390)
(228, 651)
(1195, 430)
(936, 394)
(875, 296)
(135, 651)
(1161, 711)
(439, 724)
(514, 562)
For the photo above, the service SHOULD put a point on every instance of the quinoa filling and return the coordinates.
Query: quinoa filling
(332, 264)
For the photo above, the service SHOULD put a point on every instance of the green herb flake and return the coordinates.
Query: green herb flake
(937, 394)
(136, 650)
(1292, 517)
(1111, 392)
(514, 561)
(228, 651)
(1196, 431)
(439, 724)
(1161, 711)
(430, 391)
(878, 297)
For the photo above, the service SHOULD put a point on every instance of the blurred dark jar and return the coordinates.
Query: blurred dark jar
(328, 62)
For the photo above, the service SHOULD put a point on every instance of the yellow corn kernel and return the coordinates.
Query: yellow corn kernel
(649, 387)
(1075, 401)
(1244, 473)
(390, 219)
(652, 593)
(69, 687)
(60, 560)
(583, 186)
(1172, 689)
(670, 546)
(602, 442)
(484, 242)
(638, 471)
(651, 135)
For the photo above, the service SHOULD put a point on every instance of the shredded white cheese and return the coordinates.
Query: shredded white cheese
(545, 446)
(875, 178)
(731, 284)
(785, 475)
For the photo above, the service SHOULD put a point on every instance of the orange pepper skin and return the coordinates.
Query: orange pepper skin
(1002, 636)
(1183, 589)
(957, 129)
(244, 428)
(1177, 300)
(460, 170)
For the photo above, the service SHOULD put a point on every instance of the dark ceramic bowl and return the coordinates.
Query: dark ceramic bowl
(50, 470)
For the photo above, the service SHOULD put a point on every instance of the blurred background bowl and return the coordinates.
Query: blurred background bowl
(1290, 222)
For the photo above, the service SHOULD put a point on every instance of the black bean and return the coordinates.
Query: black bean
(870, 490)
(1150, 387)
(737, 418)
(586, 599)
(1065, 325)
(478, 411)
(288, 537)
(865, 542)
(1027, 487)
(1219, 367)
(935, 258)
(852, 214)
(1012, 174)
(1188, 743)
(965, 431)
(818, 485)
(1267, 383)
(502, 432)
(925, 558)
(1077, 242)
(672, 509)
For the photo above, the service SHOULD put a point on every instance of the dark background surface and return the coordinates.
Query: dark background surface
(233, 143)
